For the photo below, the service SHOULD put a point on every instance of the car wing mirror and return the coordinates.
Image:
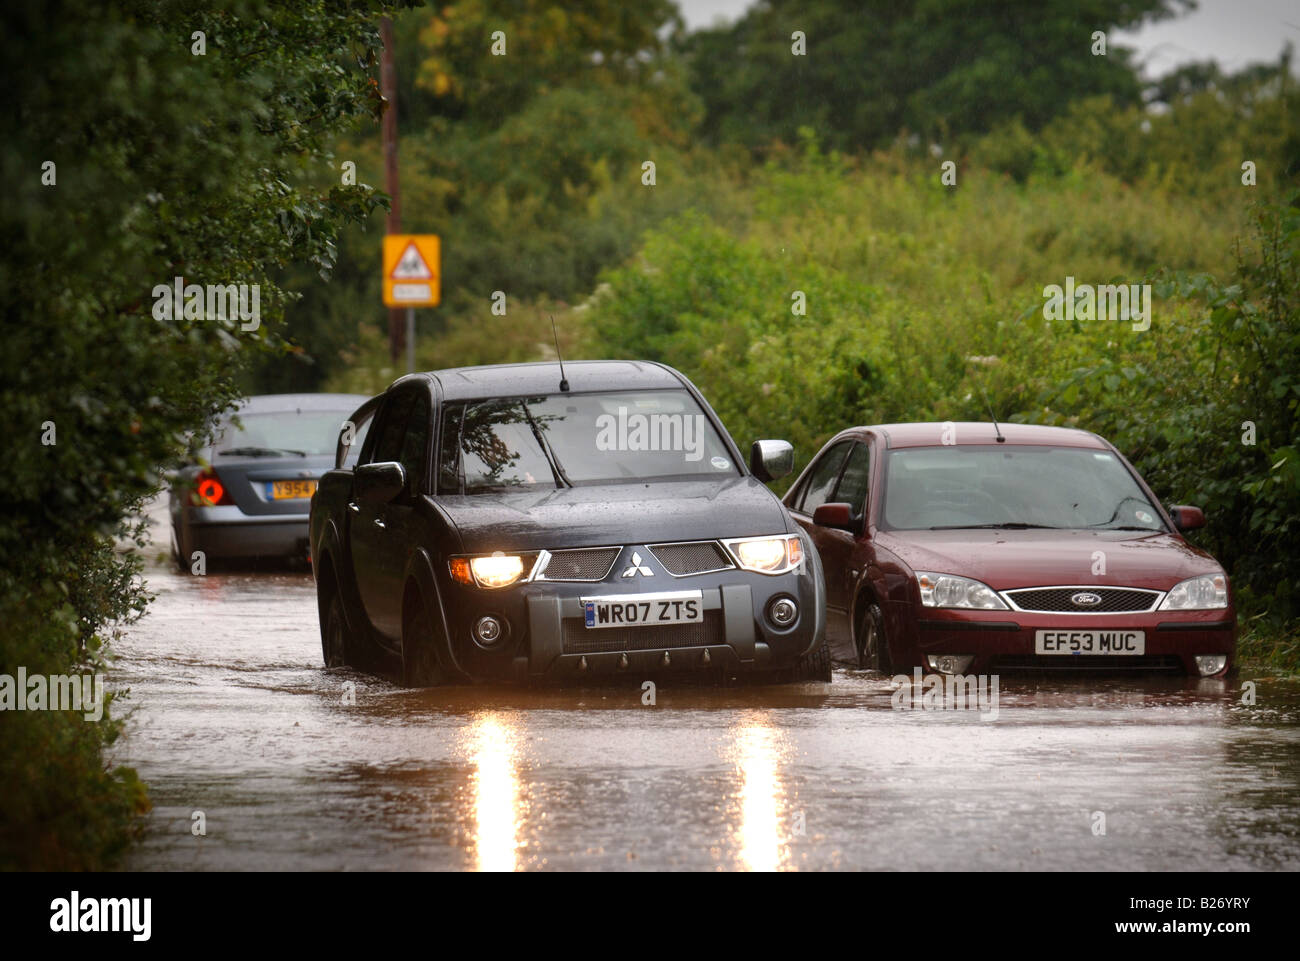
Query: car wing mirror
(835, 515)
(1187, 518)
(771, 459)
(379, 483)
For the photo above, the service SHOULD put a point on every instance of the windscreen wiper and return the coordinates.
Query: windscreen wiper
(1004, 526)
(561, 478)
(261, 451)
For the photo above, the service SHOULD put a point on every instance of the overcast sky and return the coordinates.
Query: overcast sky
(1234, 32)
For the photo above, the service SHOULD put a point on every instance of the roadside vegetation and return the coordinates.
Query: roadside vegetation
(133, 155)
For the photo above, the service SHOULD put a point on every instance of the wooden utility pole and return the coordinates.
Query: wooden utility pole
(388, 88)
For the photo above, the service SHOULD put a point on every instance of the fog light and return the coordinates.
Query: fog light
(949, 663)
(1209, 664)
(782, 612)
(488, 630)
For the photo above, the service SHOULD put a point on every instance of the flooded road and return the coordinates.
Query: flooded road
(234, 716)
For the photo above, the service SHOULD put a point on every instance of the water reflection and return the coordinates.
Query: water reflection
(496, 793)
(762, 829)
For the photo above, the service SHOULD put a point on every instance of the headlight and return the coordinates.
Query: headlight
(1197, 594)
(949, 590)
(768, 555)
(497, 570)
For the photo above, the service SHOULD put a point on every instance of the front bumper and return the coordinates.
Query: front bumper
(546, 635)
(1004, 641)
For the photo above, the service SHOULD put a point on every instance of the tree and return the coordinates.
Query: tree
(147, 141)
(872, 70)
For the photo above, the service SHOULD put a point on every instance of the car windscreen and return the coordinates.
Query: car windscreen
(1010, 487)
(565, 440)
(282, 433)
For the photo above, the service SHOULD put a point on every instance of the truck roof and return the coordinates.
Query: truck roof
(519, 380)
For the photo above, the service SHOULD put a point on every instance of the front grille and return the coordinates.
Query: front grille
(1057, 600)
(587, 564)
(580, 639)
(1027, 663)
(691, 557)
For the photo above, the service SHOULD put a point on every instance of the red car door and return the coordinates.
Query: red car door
(834, 546)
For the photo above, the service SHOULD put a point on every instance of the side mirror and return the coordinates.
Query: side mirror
(378, 483)
(1187, 518)
(834, 515)
(770, 459)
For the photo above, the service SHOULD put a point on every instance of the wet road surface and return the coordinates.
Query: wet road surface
(234, 716)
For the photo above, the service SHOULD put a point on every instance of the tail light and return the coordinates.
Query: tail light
(209, 491)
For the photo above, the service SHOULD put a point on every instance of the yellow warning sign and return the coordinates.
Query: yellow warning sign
(412, 268)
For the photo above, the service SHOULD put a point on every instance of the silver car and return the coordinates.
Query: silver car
(249, 493)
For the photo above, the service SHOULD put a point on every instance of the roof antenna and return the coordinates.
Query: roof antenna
(564, 384)
(996, 429)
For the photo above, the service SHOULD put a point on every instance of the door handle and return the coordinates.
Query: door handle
(379, 523)
(353, 507)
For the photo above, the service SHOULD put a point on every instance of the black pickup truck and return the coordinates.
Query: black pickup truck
(507, 523)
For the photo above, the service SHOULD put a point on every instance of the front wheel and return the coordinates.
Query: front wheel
(337, 646)
(873, 650)
(420, 666)
(815, 666)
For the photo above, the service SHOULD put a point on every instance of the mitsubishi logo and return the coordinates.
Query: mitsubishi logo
(638, 568)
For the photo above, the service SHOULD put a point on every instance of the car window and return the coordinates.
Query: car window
(449, 450)
(415, 442)
(264, 433)
(563, 440)
(824, 475)
(856, 478)
(350, 442)
(392, 428)
(981, 485)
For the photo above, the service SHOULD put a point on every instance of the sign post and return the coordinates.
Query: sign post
(412, 278)
(410, 340)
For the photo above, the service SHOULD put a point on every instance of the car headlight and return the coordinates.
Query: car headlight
(949, 590)
(490, 571)
(768, 555)
(1202, 593)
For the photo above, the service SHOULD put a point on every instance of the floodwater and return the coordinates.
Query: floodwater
(234, 716)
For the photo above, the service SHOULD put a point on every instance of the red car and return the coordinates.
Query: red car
(970, 548)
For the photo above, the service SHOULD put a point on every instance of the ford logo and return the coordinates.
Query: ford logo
(1085, 599)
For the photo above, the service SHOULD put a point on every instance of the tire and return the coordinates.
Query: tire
(175, 547)
(870, 641)
(183, 547)
(420, 667)
(180, 551)
(815, 666)
(338, 647)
